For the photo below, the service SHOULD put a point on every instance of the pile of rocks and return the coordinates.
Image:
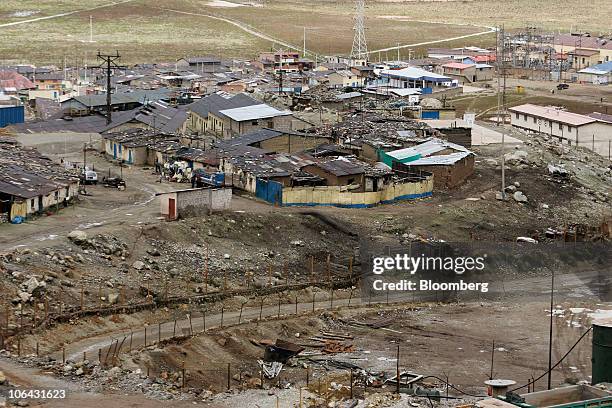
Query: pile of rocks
(104, 245)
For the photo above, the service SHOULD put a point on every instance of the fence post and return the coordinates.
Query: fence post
(145, 337)
(313, 301)
(229, 369)
(296, 305)
(183, 374)
(240, 315)
(222, 309)
(260, 309)
(279, 306)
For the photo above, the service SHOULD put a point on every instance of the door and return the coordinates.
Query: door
(114, 150)
(40, 203)
(172, 208)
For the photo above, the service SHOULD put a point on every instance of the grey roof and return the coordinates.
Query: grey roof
(25, 173)
(251, 138)
(85, 124)
(138, 96)
(253, 112)
(215, 103)
(158, 115)
(341, 167)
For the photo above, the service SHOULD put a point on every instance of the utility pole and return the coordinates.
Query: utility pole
(280, 73)
(550, 329)
(501, 96)
(109, 61)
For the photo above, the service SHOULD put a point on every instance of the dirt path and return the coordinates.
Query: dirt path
(243, 26)
(489, 31)
(68, 13)
(567, 283)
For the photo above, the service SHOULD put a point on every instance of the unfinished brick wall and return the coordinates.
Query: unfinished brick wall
(447, 177)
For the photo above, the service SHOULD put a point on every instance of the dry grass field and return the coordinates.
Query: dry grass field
(145, 30)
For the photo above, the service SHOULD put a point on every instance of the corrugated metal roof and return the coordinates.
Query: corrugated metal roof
(457, 65)
(552, 114)
(253, 112)
(417, 74)
(443, 160)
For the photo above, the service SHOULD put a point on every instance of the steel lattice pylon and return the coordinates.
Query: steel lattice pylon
(360, 47)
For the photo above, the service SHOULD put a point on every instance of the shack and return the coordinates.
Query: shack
(194, 201)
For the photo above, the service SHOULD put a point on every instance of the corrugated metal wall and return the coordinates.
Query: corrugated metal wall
(11, 114)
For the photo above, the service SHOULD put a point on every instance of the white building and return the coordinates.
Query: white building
(570, 128)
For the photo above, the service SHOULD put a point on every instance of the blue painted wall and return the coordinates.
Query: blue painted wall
(11, 114)
(270, 191)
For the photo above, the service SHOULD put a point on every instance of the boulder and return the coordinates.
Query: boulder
(138, 265)
(113, 298)
(516, 157)
(24, 297)
(77, 236)
(32, 284)
(519, 197)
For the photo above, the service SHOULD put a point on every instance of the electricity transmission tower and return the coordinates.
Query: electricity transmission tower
(360, 48)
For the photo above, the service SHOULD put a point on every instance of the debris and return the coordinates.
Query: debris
(138, 265)
(526, 239)
(270, 369)
(282, 351)
(332, 347)
(77, 236)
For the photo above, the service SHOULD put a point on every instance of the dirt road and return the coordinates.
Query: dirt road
(568, 284)
(69, 13)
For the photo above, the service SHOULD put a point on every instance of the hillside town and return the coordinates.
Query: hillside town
(203, 231)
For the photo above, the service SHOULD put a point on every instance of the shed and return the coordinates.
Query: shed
(194, 201)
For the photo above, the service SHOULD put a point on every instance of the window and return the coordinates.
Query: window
(56, 195)
(516, 115)
(255, 123)
(550, 124)
(534, 119)
(32, 203)
(525, 118)
(560, 126)
(569, 129)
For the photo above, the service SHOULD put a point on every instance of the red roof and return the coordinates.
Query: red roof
(484, 58)
(457, 65)
(11, 79)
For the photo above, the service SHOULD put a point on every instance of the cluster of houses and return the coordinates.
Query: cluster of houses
(307, 168)
(220, 121)
(31, 183)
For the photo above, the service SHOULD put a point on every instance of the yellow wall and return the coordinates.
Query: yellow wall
(333, 195)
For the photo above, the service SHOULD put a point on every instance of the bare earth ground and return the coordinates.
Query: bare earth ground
(439, 333)
(143, 32)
